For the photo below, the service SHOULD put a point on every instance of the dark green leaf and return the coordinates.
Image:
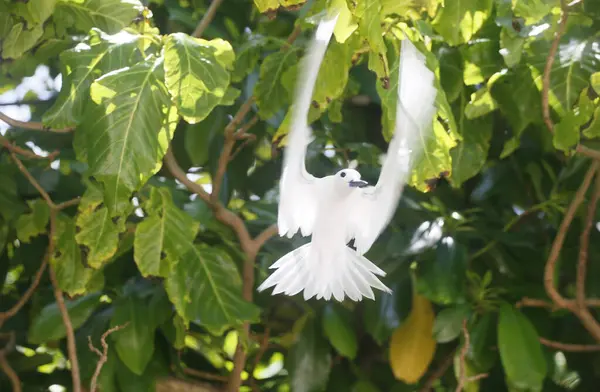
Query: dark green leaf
(566, 132)
(135, 342)
(34, 223)
(108, 15)
(271, 94)
(48, 325)
(309, 360)
(448, 323)
(520, 350)
(339, 329)
(451, 72)
(483, 337)
(471, 153)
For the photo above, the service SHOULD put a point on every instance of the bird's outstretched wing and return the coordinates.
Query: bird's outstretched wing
(297, 188)
(374, 206)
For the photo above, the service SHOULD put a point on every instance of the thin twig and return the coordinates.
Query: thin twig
(26, 153)
(32, 180)
(5, 366)
(462, 368)
(103, 355)
(548, 67)
(264, 344)
(540, 303)
(35, 126)
(68, 203)
(438, 373)
(207, 18)
(586, 317)
(60, 301)
(550, 267)
(205, 375)
(581, 348)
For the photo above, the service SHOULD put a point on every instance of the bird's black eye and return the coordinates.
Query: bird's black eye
(343, 174)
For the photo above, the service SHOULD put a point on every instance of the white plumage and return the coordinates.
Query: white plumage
(338, 208)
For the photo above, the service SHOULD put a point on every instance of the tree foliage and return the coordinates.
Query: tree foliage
(138, 196)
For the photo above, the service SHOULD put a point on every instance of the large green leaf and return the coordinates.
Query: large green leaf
(451, 72)
(469, 156)
(166, 234)
(99, 233)
(369, 27)
(339, 329)
(10, 203)
(48, 325)
(34, 223)
(73, 277)
(126, 134)
(574, 63)
(135, 342)
(197, 73)
(271, 95)
(20, 39)
(309, 359)
(205, 286)
(448, 323)
(34, 11)
(107, 15)
(520, 350)
(458, 21)
(99, 54)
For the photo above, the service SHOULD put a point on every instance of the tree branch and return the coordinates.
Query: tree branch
(582, 348)
(34, 126)
(439, 372)
(540, 303)
(462, 371)
(5, 366)
(205, 375)
(207, 18)
(32, 180)
(103, 355)
(550, 267)
(26, 153)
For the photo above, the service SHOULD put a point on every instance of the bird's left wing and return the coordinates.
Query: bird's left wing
(374, 207)
(298, 188)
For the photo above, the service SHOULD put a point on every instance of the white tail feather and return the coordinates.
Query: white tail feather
(345, 274)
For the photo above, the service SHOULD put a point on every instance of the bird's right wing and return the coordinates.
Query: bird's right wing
(297, 188)
(415, 110)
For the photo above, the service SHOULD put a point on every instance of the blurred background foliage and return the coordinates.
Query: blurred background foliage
(107, 86)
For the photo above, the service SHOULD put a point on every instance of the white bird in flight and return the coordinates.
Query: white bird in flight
(338, 208)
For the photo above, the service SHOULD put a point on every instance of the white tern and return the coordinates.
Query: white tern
(338, 208)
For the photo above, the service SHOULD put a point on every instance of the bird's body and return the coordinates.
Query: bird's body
(338, 208)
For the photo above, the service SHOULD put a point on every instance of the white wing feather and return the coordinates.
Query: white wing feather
(297, 199)
(375, 206)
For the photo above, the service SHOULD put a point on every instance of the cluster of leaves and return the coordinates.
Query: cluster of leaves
(141, 248)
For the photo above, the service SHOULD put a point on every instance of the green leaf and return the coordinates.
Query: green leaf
(345, 25)
(99, 234)
(199, 137)
(574, 63)
(310, 360)
(34, 223)
(369, 27)
(34, 11)
(533, 10)
(271, 94)
(164, 236)
(11, 204)
(107, 15)
(337, 325)
(135, 342)
(127, 132)
(20, 39)
(67, 261)
(451, 72)
(595, 80)
(267, 6)
(566, 132)
(593, 130)
(469, 157)
(481, 104)
(442, 278)
(511, 47)
(98, 55)
(197, 73)
(380, 317)
(47, 326)
(482, 60)
(448, 323)
(481, 352)
(520, 350)
(458, 21)
(205, 286)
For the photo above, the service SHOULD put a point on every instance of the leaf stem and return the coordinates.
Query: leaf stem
(34, 126)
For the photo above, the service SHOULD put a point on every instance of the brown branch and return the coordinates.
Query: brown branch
(34, 126)
(438, 373)
(540, 303)
(5, 366)
(205, 375)
(582, 348)
(548, 68)
(207, 18)
(26, 153)
(550, 267)
(25, 297)
(32, 180)
(266, 234)
(586, 317)
(103, 355)
(462, 371)
(264, 344)
(68, 203)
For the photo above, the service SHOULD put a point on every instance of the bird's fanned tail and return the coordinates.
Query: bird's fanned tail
(339, 274)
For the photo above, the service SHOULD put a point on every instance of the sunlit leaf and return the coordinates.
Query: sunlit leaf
(458, 21)
(107, 15)
(33, 223)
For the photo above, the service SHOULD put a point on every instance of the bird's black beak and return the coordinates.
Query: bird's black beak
(358, 184)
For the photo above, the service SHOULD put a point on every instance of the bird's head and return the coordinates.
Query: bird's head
(350, 178)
